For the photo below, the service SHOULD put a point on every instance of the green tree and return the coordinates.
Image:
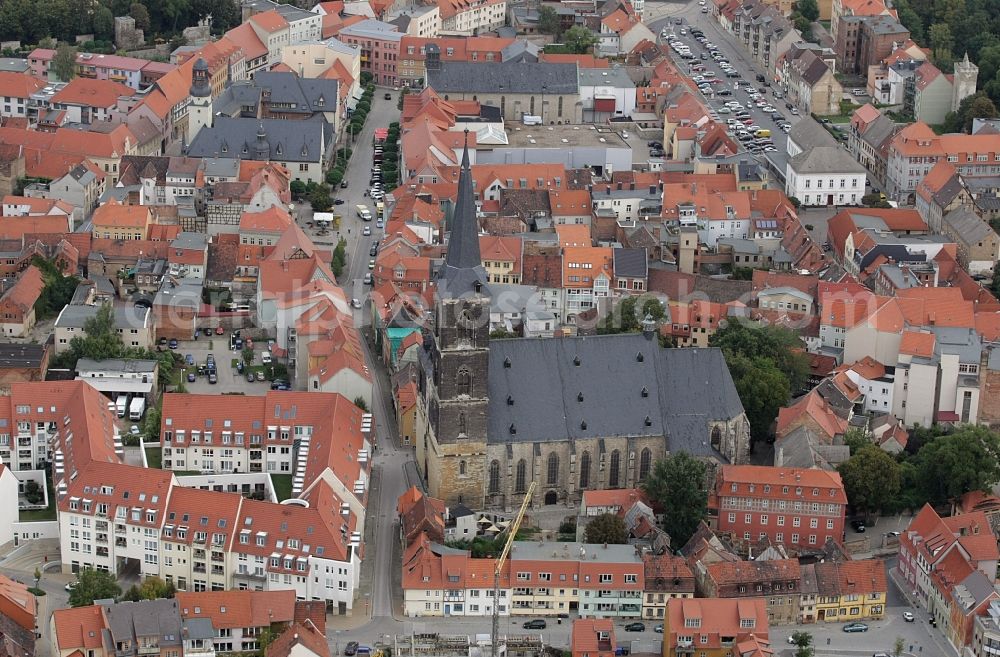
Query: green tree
(910, 20)
(93, 585)
(976, 106)
(319, 198)
(104, 23)
(963, 461)
(898, 647)
(677, 483)
(763, 389)
(548, 20)
(855, 439)
(871, 479)
(578, 39)
(151, 425)
(803, 642)
(360, 402)
(803, 25)
(58, 289)
(809, 9)
(628, 315)
(339, 257)
(942, 42)
(298, 189)
(606, 528)
(174, 9)
(777, 343)
(153, 588)
(64, 62)
(247, 356)
(139, 12)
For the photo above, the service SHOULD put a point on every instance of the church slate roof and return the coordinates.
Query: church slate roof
(592, 387)
(517, 77)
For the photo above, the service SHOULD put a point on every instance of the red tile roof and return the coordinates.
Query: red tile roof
(79, 628)
(299, 634)
(91, 92)
(19, 85)
(237, 609)
(25, 291)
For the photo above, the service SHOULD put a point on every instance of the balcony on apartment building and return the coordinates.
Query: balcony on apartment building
(199, 568)
(120, 541)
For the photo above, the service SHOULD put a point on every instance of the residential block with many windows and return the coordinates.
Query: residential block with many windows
(795, 507)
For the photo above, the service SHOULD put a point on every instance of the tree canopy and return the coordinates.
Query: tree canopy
(768, 364)
(677, 483)
(100, 341)
(58, 290)
(871, 479)
(606, 528)
(32, 20)
(954, 464)
(976, 106)
(93, 585)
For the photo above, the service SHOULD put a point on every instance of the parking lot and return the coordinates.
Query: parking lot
(229, 380)
(726, 76)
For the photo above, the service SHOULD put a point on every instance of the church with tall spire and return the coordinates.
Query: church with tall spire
(454, 451)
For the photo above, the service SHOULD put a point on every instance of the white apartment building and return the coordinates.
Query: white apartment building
(825, 175)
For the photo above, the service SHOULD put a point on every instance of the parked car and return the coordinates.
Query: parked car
(250, 377)
(219, 330)
(173, 343)
(189, 359)
(388, 96)
(858, 525)
(191, 377)
(260, 375)
(909, 617)
(213, 378)
(536, 624)
(855, 627)
(351, 648)
(658, 629)
(134, 430)
(635, 627)
(374, 249)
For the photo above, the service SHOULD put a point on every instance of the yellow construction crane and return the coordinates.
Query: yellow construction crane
(498, 566)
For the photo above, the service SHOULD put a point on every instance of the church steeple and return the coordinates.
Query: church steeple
(463, 271)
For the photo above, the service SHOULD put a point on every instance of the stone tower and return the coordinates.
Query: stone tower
(455, 463)
(966, 77)
(200, 108)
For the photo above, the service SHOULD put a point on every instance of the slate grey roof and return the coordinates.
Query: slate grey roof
(631, 263)
(116, 365)
(463, 271)
(808, 134)
(968, 224)
(219, 167)
(124, 316)
(685, 390)
(520, 51)
(127, 621)
(189, 240)
(878, 131)
(613, 77)
(20, 355)
(287, 140)
(301, 95)
(825, 159)
(516, 78)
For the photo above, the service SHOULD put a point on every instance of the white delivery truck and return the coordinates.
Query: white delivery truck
(121, 405)
(137, 408)
(364, 213)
